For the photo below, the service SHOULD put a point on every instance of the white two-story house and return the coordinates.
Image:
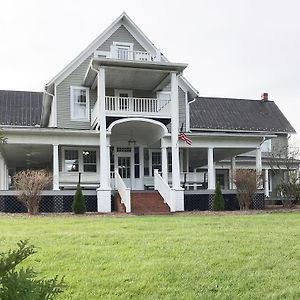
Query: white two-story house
(113, 116)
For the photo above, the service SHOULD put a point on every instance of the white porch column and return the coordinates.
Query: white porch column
(104, 191)
(2, 172)
(211, 169)
(175, 129)
(258, 160)
(108, 158)
(177, 191)
(164, 163)
(267, 192)
(55, 168)
(232, 173)
(259, 167)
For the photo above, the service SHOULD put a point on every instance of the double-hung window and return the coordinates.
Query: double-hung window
(80, 103)
(89, 161)
(79, 160)
(71, 161)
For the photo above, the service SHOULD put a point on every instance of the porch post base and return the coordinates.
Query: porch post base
(103, 200)
(178, 198)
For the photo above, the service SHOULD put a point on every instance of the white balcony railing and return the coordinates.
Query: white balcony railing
(165, 191)
(131, 55)
(123, 191)
(132, 106)
(137, 105)
(126, 54)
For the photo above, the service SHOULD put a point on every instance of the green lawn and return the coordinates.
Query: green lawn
(165, 257)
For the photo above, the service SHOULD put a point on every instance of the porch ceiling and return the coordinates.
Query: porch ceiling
(27, 156)
(131, 75)
(143, 132)
(198, 156)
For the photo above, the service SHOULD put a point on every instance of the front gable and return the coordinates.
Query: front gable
(121, 35)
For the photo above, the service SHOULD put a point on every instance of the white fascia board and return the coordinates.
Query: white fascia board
(86, 52)
(236, 131)
(184, 82)
(137, 33)
(232, 134)
(124, 20)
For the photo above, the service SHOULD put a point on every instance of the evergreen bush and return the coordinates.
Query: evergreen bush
(78, 205)
(22, 283)
(218, 203)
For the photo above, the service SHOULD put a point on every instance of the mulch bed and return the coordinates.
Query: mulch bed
(268, 209)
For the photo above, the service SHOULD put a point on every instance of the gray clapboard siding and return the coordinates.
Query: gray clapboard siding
(121, 35)
(182, 106)
(76, 79)
(63, 98)
(277, 144)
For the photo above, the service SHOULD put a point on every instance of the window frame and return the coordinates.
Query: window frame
(80, 159)
(72, 103)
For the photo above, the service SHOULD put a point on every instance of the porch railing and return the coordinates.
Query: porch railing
(123, 191)
(165, 191)
(137, 105)
(132, 106)
(124, 54)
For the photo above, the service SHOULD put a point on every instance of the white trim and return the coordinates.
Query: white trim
(87, 109)
(120, 121)
(133, 29)
(187, 113)
(55, 107)
(124, 20)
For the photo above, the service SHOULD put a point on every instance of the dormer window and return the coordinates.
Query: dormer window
(122, 51)
(79, 103)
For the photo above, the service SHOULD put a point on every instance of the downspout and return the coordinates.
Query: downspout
(43, 117)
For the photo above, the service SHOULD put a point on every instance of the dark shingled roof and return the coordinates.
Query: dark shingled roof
(18, 108)
(238, 114)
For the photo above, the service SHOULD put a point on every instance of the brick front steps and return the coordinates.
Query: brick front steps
(143, 202)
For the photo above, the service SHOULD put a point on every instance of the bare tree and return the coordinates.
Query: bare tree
(284, 162)
(30, 184)
(247, 182)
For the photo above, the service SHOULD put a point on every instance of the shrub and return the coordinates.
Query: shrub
(246, 182)
(289, 192)
(30, 184)
(218, 203)
(78, 205)
(22, 283)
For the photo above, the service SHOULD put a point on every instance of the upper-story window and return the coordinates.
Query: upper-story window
(80, 103)
(122, 51)
(266, 146)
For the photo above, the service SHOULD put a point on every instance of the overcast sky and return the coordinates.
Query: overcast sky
(234, 48)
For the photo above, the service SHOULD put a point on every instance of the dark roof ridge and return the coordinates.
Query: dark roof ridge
(16, 91)
(228, 98)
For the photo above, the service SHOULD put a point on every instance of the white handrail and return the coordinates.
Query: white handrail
(124, 54)
(165, 191)
(137, 105)
(123, 191)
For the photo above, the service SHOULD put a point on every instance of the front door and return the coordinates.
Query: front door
(124, 167)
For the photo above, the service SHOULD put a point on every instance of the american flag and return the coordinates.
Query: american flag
(182, 136)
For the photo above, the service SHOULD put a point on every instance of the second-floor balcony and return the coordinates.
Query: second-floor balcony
(127, 54)
(131, 106)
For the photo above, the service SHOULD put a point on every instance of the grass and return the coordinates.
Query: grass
(165, 257)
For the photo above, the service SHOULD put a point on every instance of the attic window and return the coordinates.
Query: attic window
(123, 51)
(79, 103)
